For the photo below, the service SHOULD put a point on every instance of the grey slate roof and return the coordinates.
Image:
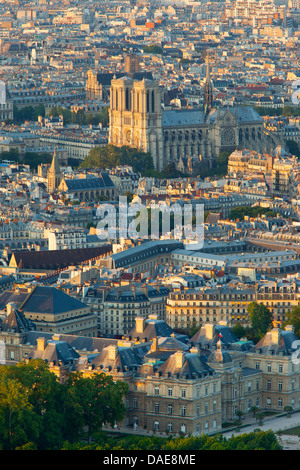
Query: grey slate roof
(57, 351)
(48, 299)
(89, 184)
(183, 117)
(285, 345)
(194, 366)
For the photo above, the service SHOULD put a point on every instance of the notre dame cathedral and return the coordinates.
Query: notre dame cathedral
(184, 136)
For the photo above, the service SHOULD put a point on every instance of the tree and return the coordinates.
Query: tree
(97, 400)
(60, 111)
(110, 156)
(293, 318)
(239, 330)
(153, 49)
(255, 211)
(260, 318)
(293, 147)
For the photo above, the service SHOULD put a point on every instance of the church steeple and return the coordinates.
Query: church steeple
(208, 97)
(54, 174)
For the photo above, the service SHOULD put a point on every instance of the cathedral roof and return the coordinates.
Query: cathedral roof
(243, 113)
(183, 117)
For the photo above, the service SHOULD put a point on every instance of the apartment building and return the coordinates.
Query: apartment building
(62, 239)
(192, 307)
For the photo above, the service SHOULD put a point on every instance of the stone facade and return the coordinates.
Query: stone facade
(172, 136)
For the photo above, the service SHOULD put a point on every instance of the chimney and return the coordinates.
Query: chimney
(209, 330)
(179, 359)
(10, 307)
(154, 345)
(275, 335)
(41, 344)
(139, 324)
(112, 351)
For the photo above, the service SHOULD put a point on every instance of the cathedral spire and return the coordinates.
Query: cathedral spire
(208, 98)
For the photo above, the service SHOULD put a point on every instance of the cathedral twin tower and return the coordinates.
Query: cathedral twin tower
(135, 116)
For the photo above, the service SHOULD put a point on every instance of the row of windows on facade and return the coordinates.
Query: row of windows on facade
(157, 390)
(182, 427)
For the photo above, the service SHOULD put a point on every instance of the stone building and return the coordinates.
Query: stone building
(90, 188)
(138, 119)
(176, 385)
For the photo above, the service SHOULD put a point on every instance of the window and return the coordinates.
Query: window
(257, 365)
(156, 390)
(279, 367)
(268, 384)
(156, 425)
(206, 408)
(183, 411)
(170, 427)
(170, 409)
(280, 385)
(269, 368)
(170, 391)
(183, 393)
(135, 403)
(249, 386)
(198, 410)
(156, 408)
(280, 402)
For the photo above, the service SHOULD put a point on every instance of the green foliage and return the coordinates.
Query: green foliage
(110, 156)
(11, 155)
(37, 411)
(220, 168)
(293, 318)
(98, 400)
(293, 148)
(28, 113)
(239, 330)
(286, 111)
(102, 117)
(252, 441)
(255, 211)
(66, 113)
(33, 159)
(153, 49)
(260, 319)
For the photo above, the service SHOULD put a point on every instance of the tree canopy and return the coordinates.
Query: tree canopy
(255, 211)
(252, 441)
(36, 410)
(110, 156)
(293, 318)
(260, 319)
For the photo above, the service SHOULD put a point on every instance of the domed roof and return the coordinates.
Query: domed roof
(220, 356)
